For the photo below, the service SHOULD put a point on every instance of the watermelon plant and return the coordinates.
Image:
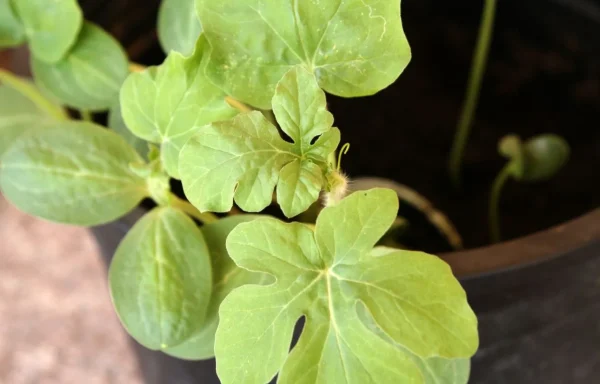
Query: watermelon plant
(238, 113)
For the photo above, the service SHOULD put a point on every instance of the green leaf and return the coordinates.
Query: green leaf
(226, 277)
(160, 279)
(117, 124)
(72, 172)
(245, 158)
(168, 104)
(178, 26)
(17, 115)
(12, 32)
(90, 76)
(411, 296)
(51, 26)
(354, 47)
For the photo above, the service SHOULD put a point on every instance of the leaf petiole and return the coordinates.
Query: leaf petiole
(135, 67)
(243, 108)
(478, 66)
(494, 216)
(32, 93)
(86, 115)
(204, 217)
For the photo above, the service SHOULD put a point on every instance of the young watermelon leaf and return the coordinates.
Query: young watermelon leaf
(178, 26)
(12, 32)
(160, 279)
(354, 47)
(245, 158)
(117, 124)
(226, 277)
(90, 76)
(19, 113)
(51, 26)
(323, 274)
(166, 105)
(73, 173)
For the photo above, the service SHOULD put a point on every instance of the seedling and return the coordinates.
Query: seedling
(237, 112)
(537, 159)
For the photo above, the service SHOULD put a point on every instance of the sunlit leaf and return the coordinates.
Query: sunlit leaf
(178, 26)
(246, 158)
(354, 47)
(166, 105)
(413, 297)
(51, 26)
(160, 279)
(72, 172)
(91, 74)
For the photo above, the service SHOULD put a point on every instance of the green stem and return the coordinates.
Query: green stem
(494, 215)
(86, 115)
(478, 65)
(28, 90)
(188, 208)
(238, 105)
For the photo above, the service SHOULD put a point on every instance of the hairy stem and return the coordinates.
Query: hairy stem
(28, 90)
(494, 216)
(478, 66)
(188, 208)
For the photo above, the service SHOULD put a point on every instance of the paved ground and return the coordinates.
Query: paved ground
(57, 325)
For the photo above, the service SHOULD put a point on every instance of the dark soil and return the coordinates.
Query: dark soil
(543, 76)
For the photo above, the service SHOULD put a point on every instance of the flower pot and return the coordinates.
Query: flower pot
(537, 296)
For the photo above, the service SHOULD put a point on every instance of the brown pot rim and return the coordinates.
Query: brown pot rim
(522, 252)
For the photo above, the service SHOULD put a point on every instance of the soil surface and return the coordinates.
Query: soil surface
(543, 77)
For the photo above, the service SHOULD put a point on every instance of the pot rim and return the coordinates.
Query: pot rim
(526, 251)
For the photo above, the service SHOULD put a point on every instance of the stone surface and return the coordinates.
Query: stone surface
(57, 325)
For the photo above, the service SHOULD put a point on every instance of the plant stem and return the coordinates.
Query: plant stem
(478, 66)
(28, 90)
(86, 115)
(188, 208)
(494, 207)
(238, 105)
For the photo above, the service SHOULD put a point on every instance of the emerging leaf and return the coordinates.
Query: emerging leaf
(178, 26)
(168, 104)
(226, 277)
(245, 158)
(323, 275)
(12, 32)
(117, 124)
(90, 76)
(160, 279)
(354, 47)
(72, 172)
(51, 26)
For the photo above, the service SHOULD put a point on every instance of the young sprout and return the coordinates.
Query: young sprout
(537, 159)
(478, 65)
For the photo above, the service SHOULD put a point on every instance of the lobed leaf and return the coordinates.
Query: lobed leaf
(411, 296)
(72, 172)
(178, 26)
(245, 158)
(90, 76)
(51, 26)
(354, 47)
(168, 104)
(160, 279)
(226, 277)
(12, 32)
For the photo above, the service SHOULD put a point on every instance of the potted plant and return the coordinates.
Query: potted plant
(238, 113)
